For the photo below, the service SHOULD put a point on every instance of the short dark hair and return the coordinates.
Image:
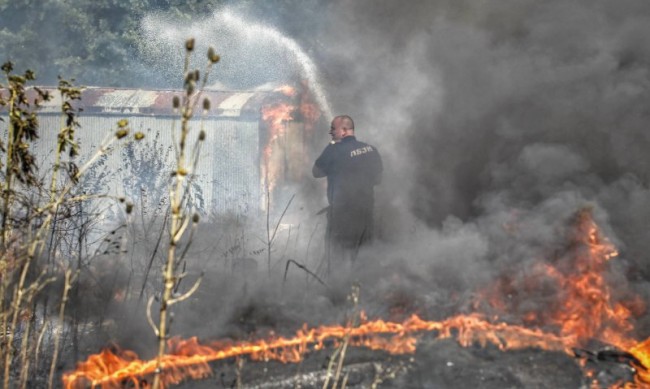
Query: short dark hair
(347, 121)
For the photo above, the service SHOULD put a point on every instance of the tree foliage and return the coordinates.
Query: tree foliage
(97, 42)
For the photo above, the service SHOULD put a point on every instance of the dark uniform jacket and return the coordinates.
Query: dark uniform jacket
(352, 169)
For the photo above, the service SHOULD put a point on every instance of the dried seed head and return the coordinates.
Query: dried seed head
(190, 87)
(17, 79)
(195, 218)
(202, 135)
(139, 135)
(182, 172)
(119, 134)
(206, 104)
(176, 102)
(121, 199)
(197, 75)
(122, 123)
(7, 67)
(213, 56)
(129, 208)
(189, 44)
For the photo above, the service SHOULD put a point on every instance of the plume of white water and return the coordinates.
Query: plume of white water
(307, 67)
(250, 52)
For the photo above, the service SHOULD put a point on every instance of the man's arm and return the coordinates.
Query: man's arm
(321, 166)
(317, 172)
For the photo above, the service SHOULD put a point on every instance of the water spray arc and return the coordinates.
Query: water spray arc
(308, 68)
(241, 38)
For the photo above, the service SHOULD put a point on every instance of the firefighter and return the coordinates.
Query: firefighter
(353, 169)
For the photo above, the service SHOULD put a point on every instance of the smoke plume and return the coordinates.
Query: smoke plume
(497, 122)
(498, 112)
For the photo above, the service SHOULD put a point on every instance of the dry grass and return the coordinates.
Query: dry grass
(37, 240)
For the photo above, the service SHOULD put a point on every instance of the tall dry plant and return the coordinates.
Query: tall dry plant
(335, 364)
(29, 211)
(179, 194)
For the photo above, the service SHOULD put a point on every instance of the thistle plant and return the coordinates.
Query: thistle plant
(179, 195)
(22, 129)
(29, 211)
(17, 292)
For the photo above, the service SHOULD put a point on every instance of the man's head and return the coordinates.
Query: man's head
(341, 127)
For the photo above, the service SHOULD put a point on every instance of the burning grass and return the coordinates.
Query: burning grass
(579, 309)
(582, 312)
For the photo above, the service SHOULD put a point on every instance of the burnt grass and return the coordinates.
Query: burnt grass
(249, 305)
(440, 364)
(437, 363)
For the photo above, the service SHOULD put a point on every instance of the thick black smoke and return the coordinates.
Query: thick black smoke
(493, 110)
(498, 121)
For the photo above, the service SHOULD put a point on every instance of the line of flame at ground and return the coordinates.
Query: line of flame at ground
(189, 359)
(583, 312)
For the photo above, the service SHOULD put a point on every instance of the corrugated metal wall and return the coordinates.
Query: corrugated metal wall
(232, 152)
(227, 175)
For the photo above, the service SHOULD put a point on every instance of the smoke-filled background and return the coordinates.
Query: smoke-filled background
(497, 120)
(473, 103)
(491, 111)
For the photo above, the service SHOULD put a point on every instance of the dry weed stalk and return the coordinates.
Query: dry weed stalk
(69, 279)
(270, 237)
(179, 192)
(239, 366)
(26, 222)
(338, 356)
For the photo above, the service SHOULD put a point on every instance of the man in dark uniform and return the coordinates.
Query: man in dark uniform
(352, 169)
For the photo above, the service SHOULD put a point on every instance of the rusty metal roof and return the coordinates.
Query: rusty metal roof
(110, 101)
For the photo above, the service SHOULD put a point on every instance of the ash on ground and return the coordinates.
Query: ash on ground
(442, 364)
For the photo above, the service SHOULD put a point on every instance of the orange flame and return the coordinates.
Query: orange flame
(583, 308)
(284, 154)
(286, 90)
(641, 352)
(189, 359)
(276, 117)
(584, 311)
